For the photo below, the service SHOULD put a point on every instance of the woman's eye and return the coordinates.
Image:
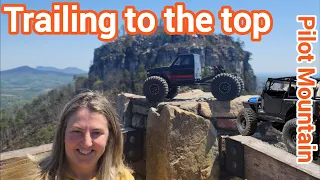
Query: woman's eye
(97, 133)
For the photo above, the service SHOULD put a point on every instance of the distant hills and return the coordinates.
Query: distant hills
(21, 84)
(68, 70)
(46, 70)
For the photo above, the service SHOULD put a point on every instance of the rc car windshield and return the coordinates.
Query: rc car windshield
(279, 85)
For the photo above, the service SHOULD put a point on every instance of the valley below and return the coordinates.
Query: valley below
(22, 84)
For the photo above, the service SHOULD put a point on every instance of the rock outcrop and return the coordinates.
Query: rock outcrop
(182, 135)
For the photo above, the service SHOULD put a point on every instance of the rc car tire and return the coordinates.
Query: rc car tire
(173, 92)
(289, 135)
(241, 83)
(239, 79)
(155, 88)
(225, 87)
(247, 122)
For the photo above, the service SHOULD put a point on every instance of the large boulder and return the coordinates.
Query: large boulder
(228, 109)
(180, 145)
(224, 109)
(222, 113)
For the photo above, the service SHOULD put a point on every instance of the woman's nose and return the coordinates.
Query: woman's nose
(87, 140)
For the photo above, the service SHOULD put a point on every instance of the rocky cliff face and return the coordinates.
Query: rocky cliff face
(136, 53)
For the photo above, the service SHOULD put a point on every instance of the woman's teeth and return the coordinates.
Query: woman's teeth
(84, 152)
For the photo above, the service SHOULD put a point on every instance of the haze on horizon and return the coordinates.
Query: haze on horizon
(275, 53)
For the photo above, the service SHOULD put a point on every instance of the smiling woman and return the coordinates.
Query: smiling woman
(86, 137)
(87, 144)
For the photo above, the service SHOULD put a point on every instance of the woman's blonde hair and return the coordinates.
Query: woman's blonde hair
(110, 164)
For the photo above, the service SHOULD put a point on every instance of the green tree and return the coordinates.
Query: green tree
(98, 85)
(81, 82)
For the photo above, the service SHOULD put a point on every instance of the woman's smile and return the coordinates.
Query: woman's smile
(83, 152)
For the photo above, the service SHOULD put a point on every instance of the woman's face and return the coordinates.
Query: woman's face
(86, 137)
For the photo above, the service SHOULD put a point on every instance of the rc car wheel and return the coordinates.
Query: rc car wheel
(225, 87)
(247, 122)
(239, 79)
(155, 88)
(241, 83)
(173, 92)
(289, 135)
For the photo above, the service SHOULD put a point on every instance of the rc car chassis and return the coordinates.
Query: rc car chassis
(277, 104)
(164, 82)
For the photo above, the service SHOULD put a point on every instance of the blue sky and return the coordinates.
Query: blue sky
(275, 53)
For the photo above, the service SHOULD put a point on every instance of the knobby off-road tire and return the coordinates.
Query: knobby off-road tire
(241, 83)
(247, 122)
(289, 135)
(225, 87)
(239, 79)
(155, 88)
(173, 92)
